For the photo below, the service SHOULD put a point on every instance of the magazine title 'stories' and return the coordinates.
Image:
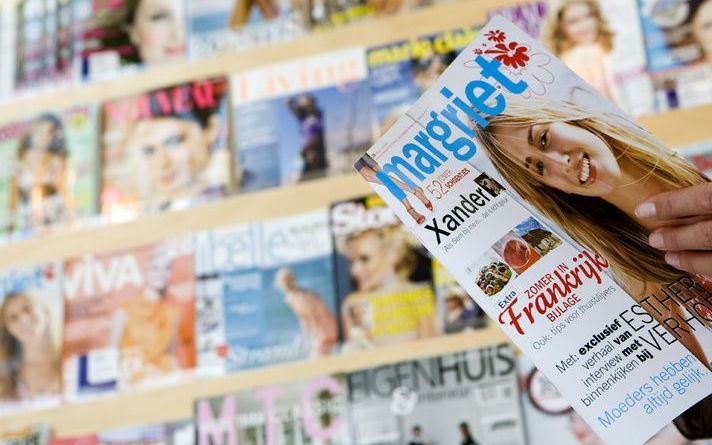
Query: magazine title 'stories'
(513, 172)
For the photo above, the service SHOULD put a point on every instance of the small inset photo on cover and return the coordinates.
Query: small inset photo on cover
(537, 236)
(493, 273)
(516, 252)
(493, 187)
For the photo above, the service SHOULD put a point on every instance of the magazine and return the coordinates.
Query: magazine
(401, 71)
(288, 304)
(220, 254)
(509, 134)
(119, 37)
(31, 329)
(167, 149)
(600, 40)
(221, 26)
(37, 434)
(550, 420)
(457, 309)
(129, 318)
(383, 277)
(700, 155)
(467, 397)
(302, 119)
(302, 412)
(49, 171)
(679, 51)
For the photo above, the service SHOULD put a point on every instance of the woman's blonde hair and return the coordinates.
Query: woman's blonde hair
(591, 221)
(553, 34)
(395, 239)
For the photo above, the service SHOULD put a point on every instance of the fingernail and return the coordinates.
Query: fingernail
(672, 259)
(645, 210)
(656, 240)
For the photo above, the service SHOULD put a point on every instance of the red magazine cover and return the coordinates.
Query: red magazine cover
(129, 318)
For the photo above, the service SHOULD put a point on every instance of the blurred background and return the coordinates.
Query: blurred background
(187, 257)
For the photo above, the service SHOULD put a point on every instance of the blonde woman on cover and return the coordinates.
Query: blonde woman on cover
(587, 171)
(701, 20)
(29, 351)
(381, 262)
(577, 32)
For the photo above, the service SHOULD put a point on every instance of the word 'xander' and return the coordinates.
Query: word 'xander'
(422, 156)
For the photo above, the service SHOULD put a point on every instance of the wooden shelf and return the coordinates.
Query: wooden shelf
(374, 32)
(176, 403)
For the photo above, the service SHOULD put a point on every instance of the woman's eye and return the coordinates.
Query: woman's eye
(148, 150)
(155, 17)
(175, 140)
(544, 139)
(540, 167)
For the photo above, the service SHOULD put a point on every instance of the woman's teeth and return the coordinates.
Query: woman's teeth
(585, 170)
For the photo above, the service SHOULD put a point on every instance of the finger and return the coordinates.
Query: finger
(697, 262)
(690, 201)
(696, 236)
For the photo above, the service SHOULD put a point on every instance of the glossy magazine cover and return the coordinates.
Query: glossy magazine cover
(129, 318)
(31, 331)
(164, 150)
(143, 435)
(220, 254)
(31, 44)
(302, 119)
(679, 50)
(467, 397)
(383, 276)
(220, 25)
(49, 175)
(293, 413)
(400, 72)
(8, 49)
(600, 40)
(285, 309)
(119, 37)
(510, 144)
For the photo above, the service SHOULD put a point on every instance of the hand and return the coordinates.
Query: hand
(686, 237)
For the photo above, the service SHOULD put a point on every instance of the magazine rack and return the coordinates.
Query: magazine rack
(674, 128)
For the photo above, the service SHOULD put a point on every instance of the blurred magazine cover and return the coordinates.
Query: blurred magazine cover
(30, 338)
(49, 175)
(302, 119)
(383, 277)
(467, 397)
(167, 149)
(129, 318)
(119, 37)
(679, 49)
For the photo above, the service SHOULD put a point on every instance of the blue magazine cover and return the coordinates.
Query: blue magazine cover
(285, 310)
(301, 119)
(679, 51)
(221, 254)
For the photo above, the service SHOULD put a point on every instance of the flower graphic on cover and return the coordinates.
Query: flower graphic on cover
(510, 54)
(496, 36)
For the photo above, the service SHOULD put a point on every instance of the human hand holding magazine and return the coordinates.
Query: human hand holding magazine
(522, 181)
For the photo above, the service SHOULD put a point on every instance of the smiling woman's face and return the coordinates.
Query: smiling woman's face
(563, 156)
